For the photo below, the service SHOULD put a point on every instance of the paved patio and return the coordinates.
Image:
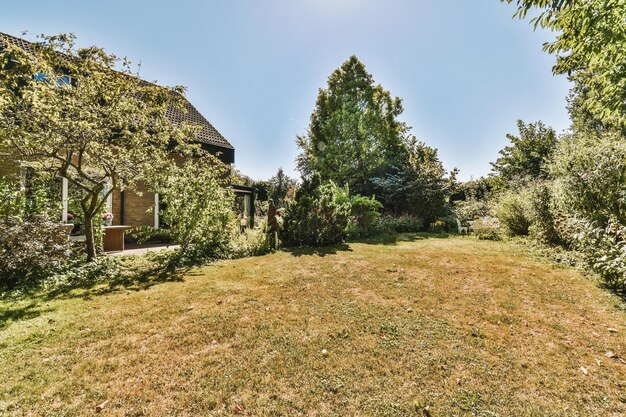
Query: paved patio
(135, 249)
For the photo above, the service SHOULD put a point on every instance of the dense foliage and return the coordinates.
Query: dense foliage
(591, 49)
(197, 204)
(512, 210)
(30, 246)
(604, 249)
(418, 187)
(400, 224)
(355, 139)
(31, 249)
(364, 216)
(84, 115)
(318, 215)
(591, 174)
(547, 219)
(528, 155)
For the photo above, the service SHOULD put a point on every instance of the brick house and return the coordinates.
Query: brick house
(136, 207)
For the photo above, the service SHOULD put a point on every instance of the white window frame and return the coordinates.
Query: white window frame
(109, 197)
(64, 199)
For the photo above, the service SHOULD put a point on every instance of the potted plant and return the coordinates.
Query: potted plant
(107, 218)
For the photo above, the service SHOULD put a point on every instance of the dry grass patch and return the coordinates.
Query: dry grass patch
(460, 326)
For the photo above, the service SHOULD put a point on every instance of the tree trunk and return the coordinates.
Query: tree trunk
(89, 239)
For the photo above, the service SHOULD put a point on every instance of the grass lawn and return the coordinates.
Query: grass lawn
(460, 326)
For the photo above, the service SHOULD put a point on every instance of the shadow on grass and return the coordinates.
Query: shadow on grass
(106, 276)
(386, 239)
(619, 291)
(16, 313)
(395, 238)
(318, 250)
(132, 273)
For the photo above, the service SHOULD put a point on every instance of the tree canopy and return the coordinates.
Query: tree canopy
(528, 155)
(591, 49)
(85, 115)
(356, 139)
(354, 130)
(280, 186)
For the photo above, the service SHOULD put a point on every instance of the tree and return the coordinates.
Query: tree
(356, 140)
(353, 131)
(528, 154)
(590, 48)
(198, 204)
(591, 174)
(582, 120)
(84, 115)
(474, 189)
(279, 187)
(417, 186)
(318, 215)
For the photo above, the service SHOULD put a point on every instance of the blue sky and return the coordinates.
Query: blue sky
(465, 70)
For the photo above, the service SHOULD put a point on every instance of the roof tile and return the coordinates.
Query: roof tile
(207, 135)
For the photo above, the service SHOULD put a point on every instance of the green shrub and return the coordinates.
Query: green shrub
(77, 272)
(590, 193)
(198, 206)
(438, 226)
(31, 250)
(364, 216)
(472, 209)
(143, 234)
(513, 213)
(400, 224)
(317, 216)
(12, 200)
(253, 242)
(591, 177)
(37, 199)
(604, 250)
(544, 215)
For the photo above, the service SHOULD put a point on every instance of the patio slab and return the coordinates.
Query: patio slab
(134, 249)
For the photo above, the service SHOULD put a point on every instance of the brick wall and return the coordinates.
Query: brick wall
(117, 207)
(9, 168)
(137, 207)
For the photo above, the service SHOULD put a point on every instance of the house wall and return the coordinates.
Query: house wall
(9, 168)
(117, 207)
(138, 202)
(138, 207)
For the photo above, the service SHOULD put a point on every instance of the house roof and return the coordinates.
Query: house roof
(208, 134)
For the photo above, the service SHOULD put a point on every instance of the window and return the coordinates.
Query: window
(64, 80)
